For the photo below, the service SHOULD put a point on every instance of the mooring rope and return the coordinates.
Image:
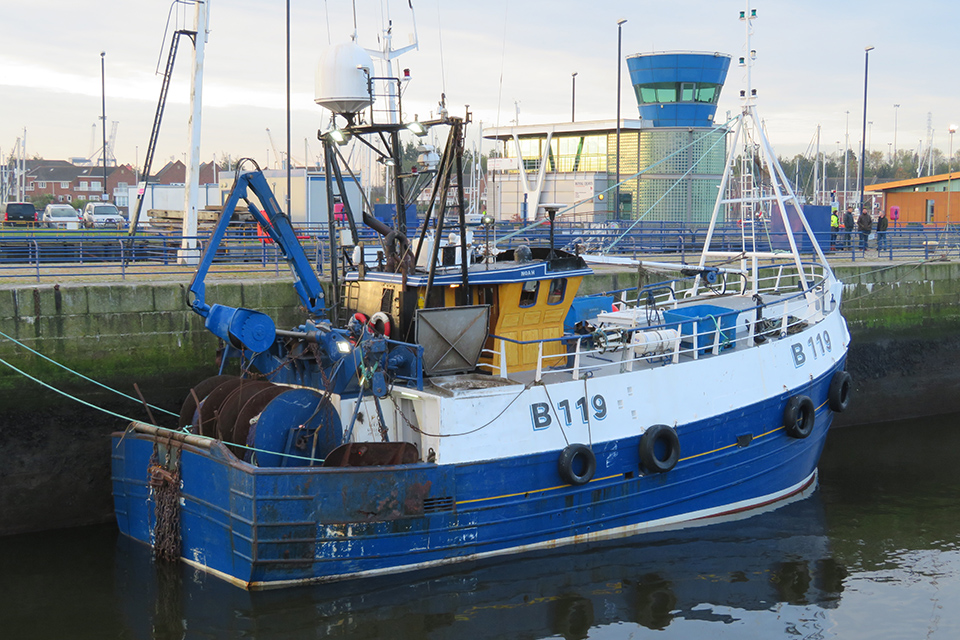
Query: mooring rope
(64, 393)
(77, 373)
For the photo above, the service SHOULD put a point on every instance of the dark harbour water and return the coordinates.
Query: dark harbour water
(874, 553)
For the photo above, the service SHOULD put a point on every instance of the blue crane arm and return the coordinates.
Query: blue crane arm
(253, 329)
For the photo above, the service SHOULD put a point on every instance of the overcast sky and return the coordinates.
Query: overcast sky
(491, 55)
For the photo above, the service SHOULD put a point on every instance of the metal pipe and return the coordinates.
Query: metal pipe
(179, 436)
(616, 204)
(103, 118)
(573, 98)
(863, 136)
(288, 116)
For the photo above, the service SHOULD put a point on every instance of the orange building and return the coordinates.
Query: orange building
(934, 199)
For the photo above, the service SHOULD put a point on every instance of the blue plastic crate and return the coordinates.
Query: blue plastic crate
(586, 308)
(708, 318)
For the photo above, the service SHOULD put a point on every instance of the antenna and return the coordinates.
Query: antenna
(388, 54)
(747, 17)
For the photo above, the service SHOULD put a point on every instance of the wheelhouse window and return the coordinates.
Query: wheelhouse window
(528, 295)
(558, 288)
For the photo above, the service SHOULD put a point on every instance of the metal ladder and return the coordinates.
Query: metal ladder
(158, 116)
(748, 214)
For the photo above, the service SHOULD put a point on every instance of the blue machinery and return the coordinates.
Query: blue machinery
(252, 329)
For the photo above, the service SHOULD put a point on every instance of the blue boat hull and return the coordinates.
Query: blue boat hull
(271, 527)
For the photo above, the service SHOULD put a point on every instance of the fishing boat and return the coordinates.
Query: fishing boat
(454, 404)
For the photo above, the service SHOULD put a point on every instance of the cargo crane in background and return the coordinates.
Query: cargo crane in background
(276, 154)
(96, 153)
(157, 118)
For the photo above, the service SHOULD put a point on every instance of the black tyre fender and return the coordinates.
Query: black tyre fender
(659, 449)
(577, 464)
(799, 416)
(838, 396)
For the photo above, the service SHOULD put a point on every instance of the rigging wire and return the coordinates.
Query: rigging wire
(64, 393)
(414, 427)
(326, 11)
(503, 57)
(443, 76)
(77, 373)
(626, 179)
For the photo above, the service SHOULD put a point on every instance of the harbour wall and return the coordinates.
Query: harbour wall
(54, 450)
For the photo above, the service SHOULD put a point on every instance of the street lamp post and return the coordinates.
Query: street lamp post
(616, 203)
(952, 130)
(896, 111)
(863, 137)
(846, 161)
(573, 97)
(103, 119)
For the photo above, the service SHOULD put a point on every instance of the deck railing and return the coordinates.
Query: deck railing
(672, 337)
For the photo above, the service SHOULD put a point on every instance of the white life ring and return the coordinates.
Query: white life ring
(380, 324)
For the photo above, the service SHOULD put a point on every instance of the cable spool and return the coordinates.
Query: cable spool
(205, 419)
(288, 414)
(226, 413)
(198, 393)
(252, 408)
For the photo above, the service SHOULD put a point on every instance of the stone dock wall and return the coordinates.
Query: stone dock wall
(54, 452)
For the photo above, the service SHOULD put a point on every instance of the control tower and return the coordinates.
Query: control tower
(678, 88)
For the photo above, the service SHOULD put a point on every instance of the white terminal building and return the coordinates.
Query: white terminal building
(671, 158)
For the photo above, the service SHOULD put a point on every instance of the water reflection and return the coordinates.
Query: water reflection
(891, 489)
(654, 581)
(875, 553)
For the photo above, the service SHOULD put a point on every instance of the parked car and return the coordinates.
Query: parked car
(20, 213)
(61, 216)
(102, 214)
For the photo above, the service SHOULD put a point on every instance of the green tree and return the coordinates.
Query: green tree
(41, 201)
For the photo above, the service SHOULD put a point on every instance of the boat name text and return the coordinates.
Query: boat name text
(820, 341)
(540, 412)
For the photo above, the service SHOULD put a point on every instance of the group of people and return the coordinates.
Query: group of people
(862, 225)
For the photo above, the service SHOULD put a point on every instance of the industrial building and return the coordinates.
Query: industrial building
(933, 199)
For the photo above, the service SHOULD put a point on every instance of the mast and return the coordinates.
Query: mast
(816, 170)
(749, 130)
(188, 249)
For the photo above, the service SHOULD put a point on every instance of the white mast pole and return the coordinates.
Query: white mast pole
(816, 170)
(188, 248)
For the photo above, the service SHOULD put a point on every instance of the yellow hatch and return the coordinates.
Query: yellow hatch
(530, 311)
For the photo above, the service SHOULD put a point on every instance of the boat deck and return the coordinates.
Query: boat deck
(643, 337)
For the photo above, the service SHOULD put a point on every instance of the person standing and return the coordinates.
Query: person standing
(864, 226)
(882, 223)
(848, 225)
(834, 229)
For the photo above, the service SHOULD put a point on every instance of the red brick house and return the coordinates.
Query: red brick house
(176, 173)
(67, 182)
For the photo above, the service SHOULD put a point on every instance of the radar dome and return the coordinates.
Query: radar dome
(342, 79)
